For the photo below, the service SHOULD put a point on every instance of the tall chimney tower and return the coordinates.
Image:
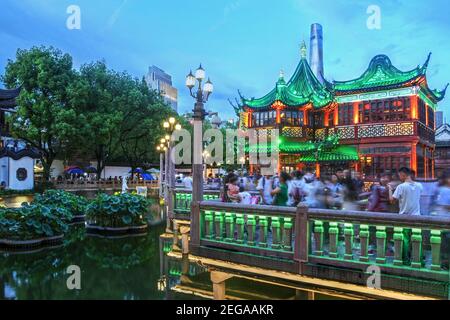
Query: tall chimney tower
(316, 51)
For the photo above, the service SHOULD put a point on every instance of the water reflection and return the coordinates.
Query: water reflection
(135, 268)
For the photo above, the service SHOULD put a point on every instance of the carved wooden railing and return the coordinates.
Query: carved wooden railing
(302, 241)
(102, 185)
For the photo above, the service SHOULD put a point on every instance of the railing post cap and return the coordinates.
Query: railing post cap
(302, 208)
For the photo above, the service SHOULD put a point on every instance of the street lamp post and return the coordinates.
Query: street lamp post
(161, 150)
(204, 90)
(170, 126)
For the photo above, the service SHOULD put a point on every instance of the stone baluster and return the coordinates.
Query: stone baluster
(251, 230)
(240, 228)
(318, 238)
(218, 221)
(188, 198)
(287, 234)
(229, 227)
(349, 236)
(381, 244)
(416, 248)
(276, 236)
(398, 246)
(263, 223)
(209, 225)
(364, 234)
(184, 202)
(334, 233)
(436, 241)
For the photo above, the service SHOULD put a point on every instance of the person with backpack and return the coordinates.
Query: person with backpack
(280, 193)
(379, 197)
(296, 188)
(265, 187)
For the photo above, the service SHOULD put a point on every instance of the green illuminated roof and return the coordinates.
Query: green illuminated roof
(340, 153)
(322, 151)
(303, 88)
(381, 73)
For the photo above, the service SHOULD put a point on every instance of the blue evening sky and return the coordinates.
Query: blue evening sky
(242, 43)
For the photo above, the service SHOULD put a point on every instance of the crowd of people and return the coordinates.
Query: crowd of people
(344, 189)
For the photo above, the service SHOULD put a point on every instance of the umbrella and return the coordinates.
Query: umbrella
(74, 170)
(153, 170)
(138, 170)
(147, 177)
(90, 169)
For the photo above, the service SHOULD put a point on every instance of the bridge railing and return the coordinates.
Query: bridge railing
(305, 241)
(398, 244)
(183, 200)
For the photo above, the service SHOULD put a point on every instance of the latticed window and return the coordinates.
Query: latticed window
(346, 114)
(389, 110)
(292, 118)
(430, 117)
(422, 112)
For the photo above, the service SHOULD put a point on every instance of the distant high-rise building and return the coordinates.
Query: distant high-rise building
(439, 118)
(160, 81)
(316, 51)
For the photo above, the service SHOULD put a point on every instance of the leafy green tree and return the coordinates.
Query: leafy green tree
(144, 112)
(97, 94)
(44, 118)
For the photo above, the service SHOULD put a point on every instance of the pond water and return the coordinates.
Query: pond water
(133, 268)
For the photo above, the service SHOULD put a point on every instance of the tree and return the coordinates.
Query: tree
(44, 118)
(144, 112)
(97, 95)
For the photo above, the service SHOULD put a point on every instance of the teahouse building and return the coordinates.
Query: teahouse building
(379, 122)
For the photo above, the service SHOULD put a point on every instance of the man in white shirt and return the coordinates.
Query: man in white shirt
(408, 196)
(187, 182)
(265, 188)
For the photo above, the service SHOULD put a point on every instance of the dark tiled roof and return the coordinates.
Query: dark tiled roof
(8, 153)
(8, 97)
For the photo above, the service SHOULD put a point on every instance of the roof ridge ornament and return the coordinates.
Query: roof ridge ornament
(303, 50)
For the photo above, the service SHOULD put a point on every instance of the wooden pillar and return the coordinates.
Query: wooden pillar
(414, 156)
(219, 289)
(355, 113)
(433, 165)
(327, 118)
(305, 117)
(185, 239)
(336, 116)
(175, 235)
(414, 107)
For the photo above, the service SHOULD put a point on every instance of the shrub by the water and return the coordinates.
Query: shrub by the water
(32, 222)
(117, 211)
(76, 205)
